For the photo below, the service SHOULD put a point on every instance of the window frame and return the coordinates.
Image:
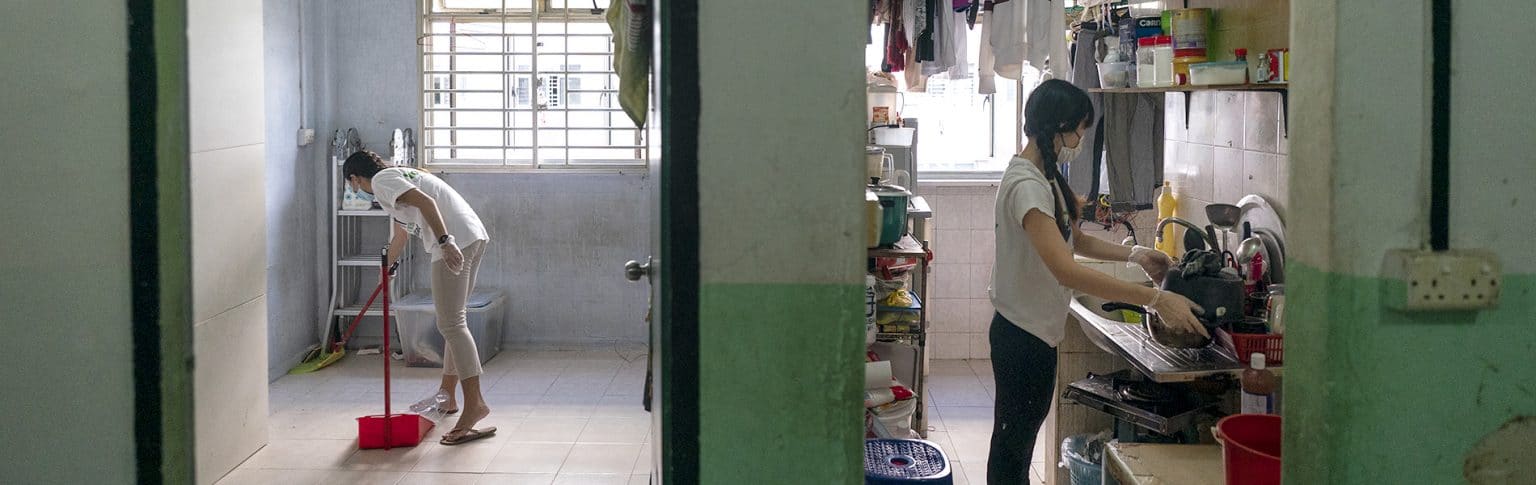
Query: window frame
(541, 11)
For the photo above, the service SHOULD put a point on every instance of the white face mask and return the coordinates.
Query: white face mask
(1068, 154)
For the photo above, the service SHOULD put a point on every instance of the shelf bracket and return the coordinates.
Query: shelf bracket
(1285, 111)
(1187, 97)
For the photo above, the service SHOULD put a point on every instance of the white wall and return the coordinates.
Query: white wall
(64, 281)
(229, 259)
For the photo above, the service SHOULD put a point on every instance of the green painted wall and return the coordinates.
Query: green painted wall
(1373, 395)
(781, 261)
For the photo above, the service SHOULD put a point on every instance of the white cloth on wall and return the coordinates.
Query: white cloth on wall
(1047, 38)
(959, 46)
(985, 82)
(1006, 36)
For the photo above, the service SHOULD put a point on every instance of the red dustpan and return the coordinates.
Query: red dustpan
(389, 430)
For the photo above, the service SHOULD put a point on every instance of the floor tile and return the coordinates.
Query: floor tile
(394, 459)
(620, 407)
(429, 478)
(957, 473)
(516, 479)
(257, 476)
(591, 479)
(616, 430)
(471, 457)
(557, 430)
(352, 477)
(530, 458)
(601, 458)
(303, 454)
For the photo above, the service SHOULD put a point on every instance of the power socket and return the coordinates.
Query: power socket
(1429, 281)
(306, 136)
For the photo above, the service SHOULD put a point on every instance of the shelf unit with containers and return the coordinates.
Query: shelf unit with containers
(356, 237)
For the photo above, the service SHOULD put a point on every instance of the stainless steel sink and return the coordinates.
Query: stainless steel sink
(1109, 332)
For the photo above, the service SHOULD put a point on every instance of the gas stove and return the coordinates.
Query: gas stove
(1132, 399)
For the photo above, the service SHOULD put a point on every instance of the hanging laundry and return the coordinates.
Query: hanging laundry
(896, 46)
(925, 29)
(986, 81)
(958, 46)
(1006, 22)
(1047, 38)
(630, 22)
(916, 81)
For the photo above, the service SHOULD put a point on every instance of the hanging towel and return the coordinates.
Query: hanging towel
(630, 21)
(1046, 38)
(1133, 143)
(985, 82)
(1005, 31)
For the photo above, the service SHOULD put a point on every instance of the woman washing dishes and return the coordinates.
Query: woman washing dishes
(1035, 271)
(424, 205)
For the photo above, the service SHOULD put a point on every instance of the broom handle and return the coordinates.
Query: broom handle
(384, 285)
(359, 318)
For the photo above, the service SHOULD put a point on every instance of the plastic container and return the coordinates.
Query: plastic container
(893, 217)
(1181, 68)
(1080, 464)
(1259, 385)
(1114, 74)
(1211, 73)
(897, 462)
(1250, 448)
(1162, 60)
(873, 222)
(1166, 205)
(1146, 63)
(423, 343)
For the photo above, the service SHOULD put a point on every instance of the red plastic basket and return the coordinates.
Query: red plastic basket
(1243, 345)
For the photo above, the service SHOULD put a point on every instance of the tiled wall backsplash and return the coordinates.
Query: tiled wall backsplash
(1234, 145)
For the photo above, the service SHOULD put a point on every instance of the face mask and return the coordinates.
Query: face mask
(1067, 154)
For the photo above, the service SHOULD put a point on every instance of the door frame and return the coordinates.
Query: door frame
(159, 180)
(677, 77)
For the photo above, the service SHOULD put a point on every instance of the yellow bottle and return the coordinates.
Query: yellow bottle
(1166, 205)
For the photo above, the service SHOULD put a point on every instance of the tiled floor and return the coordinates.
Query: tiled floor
(562, 418)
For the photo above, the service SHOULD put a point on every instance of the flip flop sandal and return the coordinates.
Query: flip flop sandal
(467, 436)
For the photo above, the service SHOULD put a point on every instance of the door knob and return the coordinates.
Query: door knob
(634, 270)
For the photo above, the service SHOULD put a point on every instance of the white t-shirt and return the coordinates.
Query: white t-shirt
(458, 218)
(1023, 289)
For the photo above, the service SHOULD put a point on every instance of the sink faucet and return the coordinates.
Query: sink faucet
(1208, 238)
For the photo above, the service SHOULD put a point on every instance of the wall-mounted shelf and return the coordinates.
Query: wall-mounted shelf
(1282, 88)
(1189, 88)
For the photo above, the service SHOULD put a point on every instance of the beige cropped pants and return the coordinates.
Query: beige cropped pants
(450, 295)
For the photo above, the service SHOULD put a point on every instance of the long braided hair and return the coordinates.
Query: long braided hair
(1057, 107)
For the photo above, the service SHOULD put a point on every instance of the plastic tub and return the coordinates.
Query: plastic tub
(1080, 466)
(1250, 448)
(1114, 74)
(416, 320)
(1210, 73)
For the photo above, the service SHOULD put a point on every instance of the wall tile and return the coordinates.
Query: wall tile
(1173, 158)
(1230, 111)
(1261, 175)
(979, 318)
(948, 315)
(950, 345)
(1173, 118)
(949, 280)
(1230, 185)
(1202, 118)
(230, 382)
(984, 246)
(1283, 140)
(978, 212)
(980, 347)
(953, 246)
(980, 279)
(1198, 172)
(229, 250)
(1261, 130)
(225, 105)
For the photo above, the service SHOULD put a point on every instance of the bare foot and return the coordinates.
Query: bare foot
(468, 420)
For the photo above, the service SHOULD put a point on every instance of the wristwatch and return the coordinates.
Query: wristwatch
(443, 239)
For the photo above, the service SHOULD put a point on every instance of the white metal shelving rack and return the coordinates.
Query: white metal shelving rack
(354, 266)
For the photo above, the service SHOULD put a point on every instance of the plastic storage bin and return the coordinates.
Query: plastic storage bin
(423, 344)
(1114, 74)
(895, 462)
(1084, 468)
(1250, 448)
(1211, 73)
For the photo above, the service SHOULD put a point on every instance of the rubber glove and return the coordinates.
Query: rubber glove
(452, 256)
(1152, 262)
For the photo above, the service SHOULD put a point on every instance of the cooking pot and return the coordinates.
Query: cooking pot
(893, 212)
(1200, 279)
(1160, 332)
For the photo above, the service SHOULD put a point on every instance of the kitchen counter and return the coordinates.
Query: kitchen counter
(1156, 464)
(1161, 364)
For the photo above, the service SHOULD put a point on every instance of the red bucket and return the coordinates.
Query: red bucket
(1250, 448)
(402, 429)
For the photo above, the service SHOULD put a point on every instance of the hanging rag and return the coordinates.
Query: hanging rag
(925, 29)
(896, 46)
(1046, 38)
(1133, 142)
(630, 21)
(1083, 171)
(1005, 32)
(986, 82)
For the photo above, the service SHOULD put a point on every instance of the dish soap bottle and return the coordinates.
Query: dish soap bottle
(1166, 205)
(1259, 385)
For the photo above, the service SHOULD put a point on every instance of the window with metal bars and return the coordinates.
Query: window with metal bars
(522, 84)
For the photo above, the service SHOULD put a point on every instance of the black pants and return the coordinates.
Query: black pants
(1024, 368)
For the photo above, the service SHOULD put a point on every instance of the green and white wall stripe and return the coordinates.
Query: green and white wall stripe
(1374, 395)
(781, 250)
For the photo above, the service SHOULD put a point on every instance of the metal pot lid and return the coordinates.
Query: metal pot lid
(890, 190)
